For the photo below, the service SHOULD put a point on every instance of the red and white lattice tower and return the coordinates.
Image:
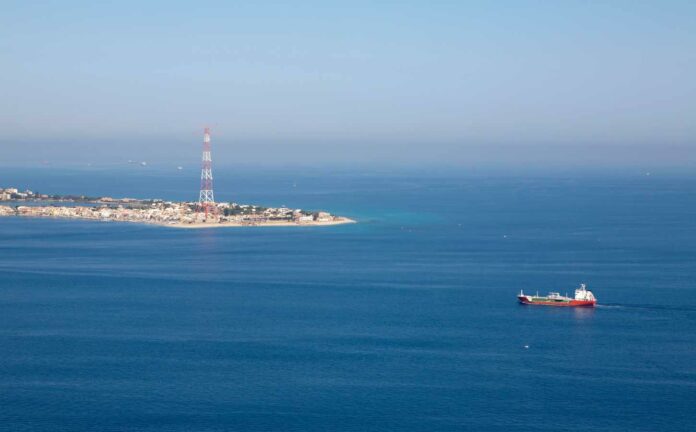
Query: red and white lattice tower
(206, 200)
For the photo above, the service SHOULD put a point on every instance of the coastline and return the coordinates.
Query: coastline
(187, 215)
(198, 225)
(338, 220)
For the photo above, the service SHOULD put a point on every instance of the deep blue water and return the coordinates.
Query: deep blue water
(405, 321)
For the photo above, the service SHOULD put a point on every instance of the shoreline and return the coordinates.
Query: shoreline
(339, 221)
(187, 215)
(199, 225)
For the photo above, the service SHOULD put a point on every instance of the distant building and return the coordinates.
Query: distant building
(324, 217)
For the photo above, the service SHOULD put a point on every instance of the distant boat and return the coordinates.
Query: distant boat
(143, 163)
(583, 298)
(179, 168)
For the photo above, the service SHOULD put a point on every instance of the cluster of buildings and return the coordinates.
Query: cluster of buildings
(152, 211)
(8, 194)
(103, 212)
(243, 212)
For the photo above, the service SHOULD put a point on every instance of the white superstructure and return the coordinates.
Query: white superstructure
(584, 294)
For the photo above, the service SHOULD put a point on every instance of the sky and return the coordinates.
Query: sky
(320, 83)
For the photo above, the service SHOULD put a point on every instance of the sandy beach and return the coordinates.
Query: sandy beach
(337, 221)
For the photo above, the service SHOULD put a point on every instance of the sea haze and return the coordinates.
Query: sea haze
(405, 321)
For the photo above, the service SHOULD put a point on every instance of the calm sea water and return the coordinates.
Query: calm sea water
(405, 321)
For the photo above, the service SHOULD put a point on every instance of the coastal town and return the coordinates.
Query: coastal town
(14, 202)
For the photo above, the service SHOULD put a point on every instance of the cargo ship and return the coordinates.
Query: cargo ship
(583, 298)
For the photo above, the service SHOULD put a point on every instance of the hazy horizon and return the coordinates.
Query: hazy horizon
(571, 84)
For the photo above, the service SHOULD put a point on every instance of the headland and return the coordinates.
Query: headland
(14, 202)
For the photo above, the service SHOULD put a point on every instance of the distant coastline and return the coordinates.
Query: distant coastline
(158, 212)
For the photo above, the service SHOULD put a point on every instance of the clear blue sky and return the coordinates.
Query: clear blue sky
(354, 82)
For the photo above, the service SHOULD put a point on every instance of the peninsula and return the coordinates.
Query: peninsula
(157, 211)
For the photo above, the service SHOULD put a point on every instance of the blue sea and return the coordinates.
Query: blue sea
(405, 321)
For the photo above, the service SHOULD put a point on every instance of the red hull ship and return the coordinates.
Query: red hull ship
(583, 298)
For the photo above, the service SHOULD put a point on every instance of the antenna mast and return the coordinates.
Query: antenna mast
(206, 200)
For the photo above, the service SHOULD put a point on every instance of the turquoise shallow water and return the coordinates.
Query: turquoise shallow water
(405, 321)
